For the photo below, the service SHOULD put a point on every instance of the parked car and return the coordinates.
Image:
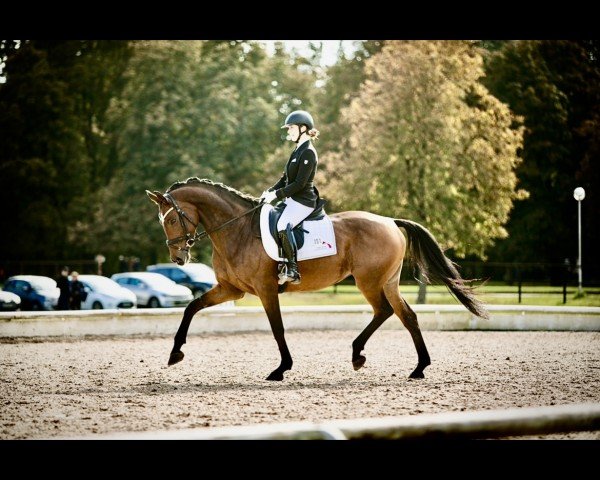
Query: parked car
(102, 292)
(154, 290)
(36, 292)
(9, 301)
(198, 277)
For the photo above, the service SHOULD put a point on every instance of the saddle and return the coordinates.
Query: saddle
(298, 231)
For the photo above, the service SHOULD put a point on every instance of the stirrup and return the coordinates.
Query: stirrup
(285, 277)
(294, 280)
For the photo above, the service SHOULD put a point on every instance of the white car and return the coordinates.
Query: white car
(102, 292)
(198, 277)
(154, 290)
(9, 301)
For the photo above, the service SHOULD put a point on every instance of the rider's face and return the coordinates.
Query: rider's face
(293, 131)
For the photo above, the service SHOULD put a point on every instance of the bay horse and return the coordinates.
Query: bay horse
(370, 247)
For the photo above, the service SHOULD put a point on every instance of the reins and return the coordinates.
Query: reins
(191, 239)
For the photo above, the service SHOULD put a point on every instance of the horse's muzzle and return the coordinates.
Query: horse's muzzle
(181, 258)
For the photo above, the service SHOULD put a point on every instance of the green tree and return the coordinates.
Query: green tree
(555, 86)
(342, 83)
(53, 148)
(428, 142)
(190, 108)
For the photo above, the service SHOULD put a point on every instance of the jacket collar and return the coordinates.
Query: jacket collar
(303, 146)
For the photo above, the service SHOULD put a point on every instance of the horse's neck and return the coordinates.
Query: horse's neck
(215, 208)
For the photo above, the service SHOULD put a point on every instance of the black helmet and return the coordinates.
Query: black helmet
(299, 117)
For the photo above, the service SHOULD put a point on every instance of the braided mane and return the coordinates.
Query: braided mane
(204, 181)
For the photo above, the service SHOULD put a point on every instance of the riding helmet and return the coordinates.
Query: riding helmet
(299, 117)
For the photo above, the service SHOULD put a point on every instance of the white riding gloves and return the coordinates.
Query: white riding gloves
(268, 196)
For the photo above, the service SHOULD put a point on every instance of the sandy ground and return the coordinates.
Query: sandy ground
(65, 388)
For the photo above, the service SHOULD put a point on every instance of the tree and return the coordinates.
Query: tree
(52, 153)
(190, 108)
(343, 80)
(555, 86)
(430, 143)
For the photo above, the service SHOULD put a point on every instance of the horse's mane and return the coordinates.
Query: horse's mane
(205, 181)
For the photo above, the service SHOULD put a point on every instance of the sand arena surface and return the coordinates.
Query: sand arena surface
(64, 388)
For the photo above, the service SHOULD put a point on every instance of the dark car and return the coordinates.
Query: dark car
(36, 292)
(196, 276)
(9, 301)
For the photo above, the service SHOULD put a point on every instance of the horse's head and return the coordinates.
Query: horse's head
(179, 222)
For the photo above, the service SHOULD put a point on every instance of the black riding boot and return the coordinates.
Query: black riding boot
(288, 244)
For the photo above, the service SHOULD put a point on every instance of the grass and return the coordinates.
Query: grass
(438, 294)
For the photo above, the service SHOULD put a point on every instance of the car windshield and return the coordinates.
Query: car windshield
(157, 281)
(42, 283)
(199, 272)
(99, 282)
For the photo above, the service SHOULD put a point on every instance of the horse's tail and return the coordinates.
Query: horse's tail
(434, 265)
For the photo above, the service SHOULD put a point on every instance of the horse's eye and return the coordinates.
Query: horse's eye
(172, 221)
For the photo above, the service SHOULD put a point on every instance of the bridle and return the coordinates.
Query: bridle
(191, 238)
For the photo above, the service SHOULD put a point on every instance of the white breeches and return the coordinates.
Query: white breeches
(293, 213)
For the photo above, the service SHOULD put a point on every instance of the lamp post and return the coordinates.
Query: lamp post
(579, 195)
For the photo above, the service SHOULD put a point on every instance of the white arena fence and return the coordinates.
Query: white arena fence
(476, 424)
(165, 321)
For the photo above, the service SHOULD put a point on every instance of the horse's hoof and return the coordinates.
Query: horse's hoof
(276, 376)
(359, 362)
(417, 374)
(175, 357)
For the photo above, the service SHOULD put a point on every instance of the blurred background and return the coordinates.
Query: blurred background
(483, 142)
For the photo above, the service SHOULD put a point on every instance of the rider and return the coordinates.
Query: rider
(295, 188)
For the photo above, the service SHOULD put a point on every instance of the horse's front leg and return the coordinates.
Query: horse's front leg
(218, 294)
(270, 301)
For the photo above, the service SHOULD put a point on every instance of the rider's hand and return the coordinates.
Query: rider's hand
(268, 196)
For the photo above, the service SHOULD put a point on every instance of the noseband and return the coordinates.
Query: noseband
(190, 238)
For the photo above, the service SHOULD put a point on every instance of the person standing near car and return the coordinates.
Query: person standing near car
(78, 293)
(64, 285)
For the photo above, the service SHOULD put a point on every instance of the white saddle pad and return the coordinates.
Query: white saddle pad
(318, 242)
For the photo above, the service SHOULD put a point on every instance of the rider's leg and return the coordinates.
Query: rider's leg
(292, 215)
(288, 243)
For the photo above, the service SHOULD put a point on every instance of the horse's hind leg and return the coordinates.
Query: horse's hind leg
(382, 310)
(409, 319)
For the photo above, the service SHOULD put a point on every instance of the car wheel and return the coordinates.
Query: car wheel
(153, 303)
(97, 305)
(36, 306)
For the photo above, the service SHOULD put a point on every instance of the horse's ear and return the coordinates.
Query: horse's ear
(156, 197)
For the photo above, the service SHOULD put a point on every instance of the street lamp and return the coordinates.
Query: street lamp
(579, 194)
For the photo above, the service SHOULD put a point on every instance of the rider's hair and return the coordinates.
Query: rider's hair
(313, 133)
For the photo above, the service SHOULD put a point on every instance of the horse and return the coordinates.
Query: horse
(370, 247)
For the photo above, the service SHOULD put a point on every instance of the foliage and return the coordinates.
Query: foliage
(343, 80)
(190, 108)
(419, 130)
(555, 86)
(428, 142)
(54, 152)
